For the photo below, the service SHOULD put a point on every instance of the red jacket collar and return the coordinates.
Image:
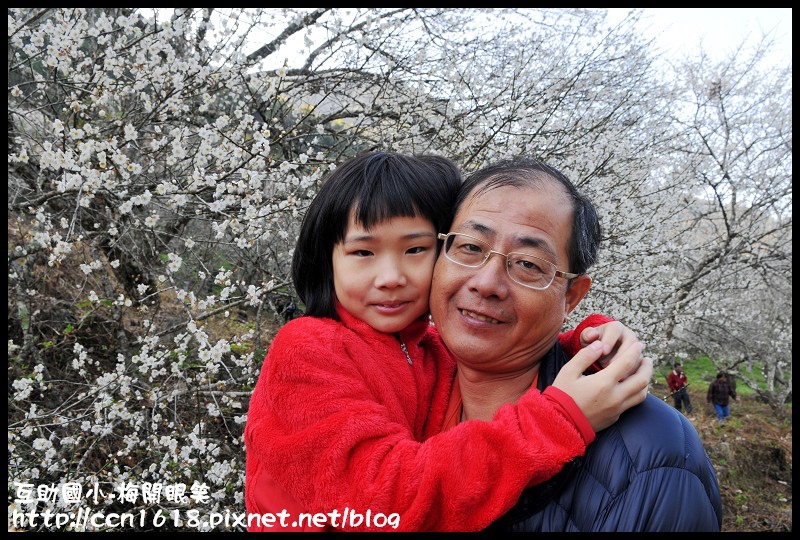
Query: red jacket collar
(410, 334)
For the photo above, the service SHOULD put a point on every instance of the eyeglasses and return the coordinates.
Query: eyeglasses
(527, 270)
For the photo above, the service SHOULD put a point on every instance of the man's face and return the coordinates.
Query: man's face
(487, 320)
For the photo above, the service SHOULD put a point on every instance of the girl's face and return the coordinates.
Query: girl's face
(382, 276)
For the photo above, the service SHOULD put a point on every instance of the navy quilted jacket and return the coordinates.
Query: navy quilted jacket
(647, 472)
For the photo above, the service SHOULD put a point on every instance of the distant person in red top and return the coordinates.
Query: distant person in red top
(718, 393)
(677, 383)
(347, 412)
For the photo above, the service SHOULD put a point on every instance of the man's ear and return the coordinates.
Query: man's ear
(576, 291)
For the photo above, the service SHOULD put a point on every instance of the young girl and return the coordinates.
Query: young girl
(346, 416)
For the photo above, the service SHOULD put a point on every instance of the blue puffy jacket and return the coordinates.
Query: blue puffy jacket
(647, 472)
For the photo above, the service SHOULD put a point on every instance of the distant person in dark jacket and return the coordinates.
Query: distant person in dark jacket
(718, 393)
(677, 383)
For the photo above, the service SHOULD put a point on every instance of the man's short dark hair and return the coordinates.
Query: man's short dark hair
(522, 171)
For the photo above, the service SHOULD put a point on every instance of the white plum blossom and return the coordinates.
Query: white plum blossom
(126, 207)
(212, 409)
(41, 444)
(253, 295)
(130, 132)
(175, 262)
(179, 200)
(23, 387)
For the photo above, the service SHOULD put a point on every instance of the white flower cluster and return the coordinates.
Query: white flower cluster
(175, 262)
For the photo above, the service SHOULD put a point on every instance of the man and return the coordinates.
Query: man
(718, 393)
(677, 383)
(511, 270)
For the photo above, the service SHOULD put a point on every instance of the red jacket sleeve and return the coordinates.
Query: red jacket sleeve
(316, 428)
(571, 339)
(572, 410)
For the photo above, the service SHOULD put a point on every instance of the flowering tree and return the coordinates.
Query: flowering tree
(732, 262)
(160, 162)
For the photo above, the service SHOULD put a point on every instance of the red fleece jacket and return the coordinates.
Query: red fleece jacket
(341, 420)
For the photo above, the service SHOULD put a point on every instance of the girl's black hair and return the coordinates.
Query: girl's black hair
(378, 186)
